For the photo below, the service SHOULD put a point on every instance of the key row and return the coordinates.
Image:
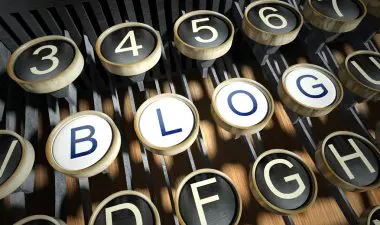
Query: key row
(280, 181)
(49, 64)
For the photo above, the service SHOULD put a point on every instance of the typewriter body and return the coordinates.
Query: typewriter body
(196, 112)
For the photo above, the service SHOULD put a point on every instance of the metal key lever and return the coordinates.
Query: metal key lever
(362, 37)
(17, 198)
(59, 178)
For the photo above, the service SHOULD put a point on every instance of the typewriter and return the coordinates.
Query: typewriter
(196, 112)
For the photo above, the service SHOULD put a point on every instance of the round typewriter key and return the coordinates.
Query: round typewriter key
(361, 73)
(40, 220)
(125, 207)
(207, 196)
(46, 64)
(203, 35)
(271, 22)
(349, 161)
(334, 16)
(16, 161)
(370, 216)
(129, 49)
(83, 144)
(310, 90)
(281, 182)
(167, 124)
(241, 106)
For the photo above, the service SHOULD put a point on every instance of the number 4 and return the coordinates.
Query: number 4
(134, 47)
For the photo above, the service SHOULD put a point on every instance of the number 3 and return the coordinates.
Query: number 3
(266, 18)
(197, 29)
(51, 57)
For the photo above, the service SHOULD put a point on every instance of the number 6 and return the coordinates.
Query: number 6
(266, 18)
(197, 29)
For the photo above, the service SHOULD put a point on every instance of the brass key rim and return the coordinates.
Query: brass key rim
(99, 208)
(328, 172)
(95, 168)
(265, 37)
(349, 80)
(235, 129)
(23, 169)
(135, 68)
(212, 171)
(299, 107)
(319, 20)
(58, 81)
(255, 190)
(40, 217)
(203, 53)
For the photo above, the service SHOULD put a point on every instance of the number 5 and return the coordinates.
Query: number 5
(196, 29)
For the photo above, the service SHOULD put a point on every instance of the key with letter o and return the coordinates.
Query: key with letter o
(361, 73)
(126, 207)
(370, 216)
(282, 183)
(83, 144)
(310, 90)
(336, 16)
(46, 64)
(167, 124)
(241, 106)
(129, 49)
(349, 161)
(40, 220)
(16, 161)
(203, 35)
(272, 22)
(207, 197)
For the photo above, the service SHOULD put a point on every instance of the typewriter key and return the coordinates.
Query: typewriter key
(125, 207)
(40, 220)
(310, 90)
(46, 64)
(361, 73)
(349, 161)
(83, 144)
(271, 22)
(241, 106)
(16, 161)
(370, 216)
(207, 197)
(167, 124)
(129, 49)
(334, 16)
(282, 183)
(203, 35)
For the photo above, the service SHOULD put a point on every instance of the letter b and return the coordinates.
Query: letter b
(89, 138)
